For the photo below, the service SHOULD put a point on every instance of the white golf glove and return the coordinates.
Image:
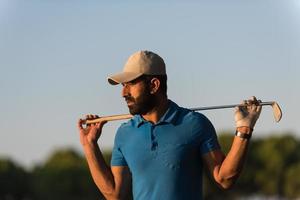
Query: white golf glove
(247, 113)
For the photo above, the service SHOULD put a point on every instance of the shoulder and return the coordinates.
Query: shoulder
(131, 123)
(185, 116)
(127, 127)
(193, 117)
(196, 122)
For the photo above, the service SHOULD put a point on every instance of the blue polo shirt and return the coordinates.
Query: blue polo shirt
(165, 158)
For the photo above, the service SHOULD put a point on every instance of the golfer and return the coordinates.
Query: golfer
(160, 153)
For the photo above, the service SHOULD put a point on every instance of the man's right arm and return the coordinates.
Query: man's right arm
(113, 182)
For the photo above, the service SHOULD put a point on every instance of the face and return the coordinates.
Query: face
(138, 97)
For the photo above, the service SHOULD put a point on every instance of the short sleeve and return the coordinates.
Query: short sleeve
(209, 141)
(117, 158)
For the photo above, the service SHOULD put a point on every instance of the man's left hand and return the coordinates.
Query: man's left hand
(247, 113)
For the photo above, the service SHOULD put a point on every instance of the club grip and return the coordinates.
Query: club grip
(108, 118)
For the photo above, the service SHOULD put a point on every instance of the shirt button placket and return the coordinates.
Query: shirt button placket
(154, 143)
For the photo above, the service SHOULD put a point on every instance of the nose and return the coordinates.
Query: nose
(125, 90)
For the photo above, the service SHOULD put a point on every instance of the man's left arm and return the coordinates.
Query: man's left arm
(226, 169)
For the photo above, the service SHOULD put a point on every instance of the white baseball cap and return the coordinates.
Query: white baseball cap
(139, 63)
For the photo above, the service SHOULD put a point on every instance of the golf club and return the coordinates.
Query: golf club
(275, 107)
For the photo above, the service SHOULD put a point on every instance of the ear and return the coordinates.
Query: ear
(154, 85)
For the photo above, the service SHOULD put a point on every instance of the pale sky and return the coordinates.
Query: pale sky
(55, 57)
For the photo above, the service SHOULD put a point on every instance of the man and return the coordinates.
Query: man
(160, 152)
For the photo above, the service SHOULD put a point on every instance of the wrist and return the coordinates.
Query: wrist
(244, 129)
(244, 132)
(243, 136)
(89, 144)
(90, 149)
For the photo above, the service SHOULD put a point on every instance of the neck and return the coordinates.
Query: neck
(158, 111)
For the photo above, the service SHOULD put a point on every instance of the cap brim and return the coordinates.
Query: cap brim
(123, 77)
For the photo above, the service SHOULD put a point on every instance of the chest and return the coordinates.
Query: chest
(161, 148)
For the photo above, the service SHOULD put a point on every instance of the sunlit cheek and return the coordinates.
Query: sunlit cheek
(135, 91)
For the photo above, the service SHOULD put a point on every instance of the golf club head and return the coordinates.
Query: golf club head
(276, 111)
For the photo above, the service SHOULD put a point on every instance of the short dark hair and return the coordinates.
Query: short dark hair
(163, 82)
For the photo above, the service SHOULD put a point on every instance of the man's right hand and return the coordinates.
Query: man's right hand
(91, 133)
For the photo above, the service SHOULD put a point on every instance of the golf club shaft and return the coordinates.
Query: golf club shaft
(128, 116)
(227, 106)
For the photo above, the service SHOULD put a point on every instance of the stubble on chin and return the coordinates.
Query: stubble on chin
(142, 105)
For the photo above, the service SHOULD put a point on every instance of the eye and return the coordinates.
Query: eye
(126, 84)
(131, 82)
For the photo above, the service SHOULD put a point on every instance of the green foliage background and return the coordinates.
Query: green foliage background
(272, 168)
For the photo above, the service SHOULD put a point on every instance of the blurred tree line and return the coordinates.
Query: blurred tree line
(272, 168)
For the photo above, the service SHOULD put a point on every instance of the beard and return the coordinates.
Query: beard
(142, 104)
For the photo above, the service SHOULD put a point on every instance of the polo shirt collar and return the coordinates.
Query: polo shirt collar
(169, 117)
